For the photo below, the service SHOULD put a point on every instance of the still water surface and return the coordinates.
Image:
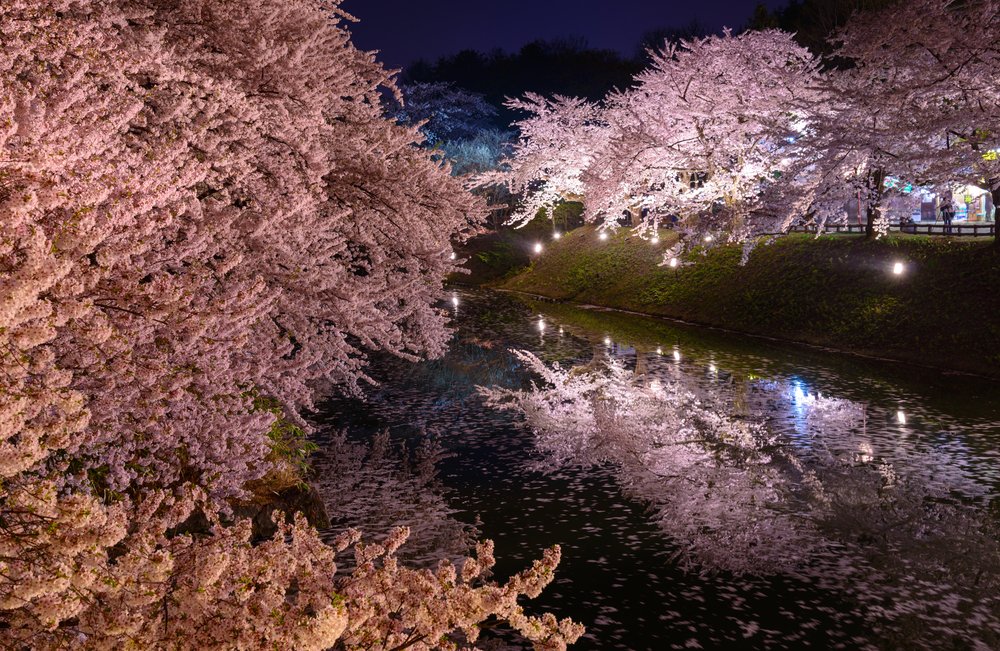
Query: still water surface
(624, 573)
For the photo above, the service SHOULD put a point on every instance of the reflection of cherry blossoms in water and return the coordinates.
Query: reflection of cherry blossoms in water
(904, 532)
(375, 488)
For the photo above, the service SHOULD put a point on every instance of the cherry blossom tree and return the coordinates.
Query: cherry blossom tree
(203, 205)
(559, 140)
(445, 111)
(933, 66)
(703, 132)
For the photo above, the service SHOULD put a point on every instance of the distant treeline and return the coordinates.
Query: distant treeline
(571, 67)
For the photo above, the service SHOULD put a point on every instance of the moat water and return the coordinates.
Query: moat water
(918, 569)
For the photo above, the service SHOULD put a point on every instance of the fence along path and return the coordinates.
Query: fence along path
(963, 230)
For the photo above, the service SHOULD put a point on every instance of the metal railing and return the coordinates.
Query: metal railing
(931, 228)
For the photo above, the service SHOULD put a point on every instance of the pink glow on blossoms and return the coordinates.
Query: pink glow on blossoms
(202, 203)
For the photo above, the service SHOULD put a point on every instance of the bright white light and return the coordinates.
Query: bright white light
(659, 351)
(454, 300)
(901, 417)
(603, 235)
(556, 235)
(677, 355)
(607, 341)
(560, 330)
(453, 256)
(538, 247)
(712, 368)
(673, 263)
(541, 325)
(898, 268)
(708, 238)
(655, 240)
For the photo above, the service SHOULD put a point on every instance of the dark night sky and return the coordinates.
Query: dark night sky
(406, 30)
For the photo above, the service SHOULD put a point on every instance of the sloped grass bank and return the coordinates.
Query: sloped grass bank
(835, 291)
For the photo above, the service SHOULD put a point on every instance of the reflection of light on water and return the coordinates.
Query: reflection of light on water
(659, 351)
(901, 417)
(712, 368)
(454, 302)
(560, 330)
(801, 396)
(541, 324)
(607, 341)
(677, 355)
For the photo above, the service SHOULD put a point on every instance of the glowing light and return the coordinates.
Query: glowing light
(538, 247)
(677, 355)
(453, 256)
(659, 351)
(454, 300)
(673, 263)
(607, 341)
(603, 235)
(656, 239)
(541, 324)
(901, 417)
(709, 238)
(898, 268)
(560, 330)
(712, 368)
(556, 235)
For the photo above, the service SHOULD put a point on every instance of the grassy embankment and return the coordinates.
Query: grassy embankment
(835, 291)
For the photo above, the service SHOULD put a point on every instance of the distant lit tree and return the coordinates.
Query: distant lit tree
(562, 137)
(703, 131)
(445, 111)
(700, 136)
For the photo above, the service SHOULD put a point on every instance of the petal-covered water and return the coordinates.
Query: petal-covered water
(708, 490)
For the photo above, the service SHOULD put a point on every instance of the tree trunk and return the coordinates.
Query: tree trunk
(871, 214)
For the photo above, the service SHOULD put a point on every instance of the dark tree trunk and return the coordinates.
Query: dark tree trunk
(877, 181)
(871, 214)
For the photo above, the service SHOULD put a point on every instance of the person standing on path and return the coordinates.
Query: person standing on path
(947, 215)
